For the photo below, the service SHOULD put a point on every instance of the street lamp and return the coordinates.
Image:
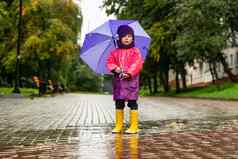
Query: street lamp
(17, 79)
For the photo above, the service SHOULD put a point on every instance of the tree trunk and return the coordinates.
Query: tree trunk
(164, 80)
(155, 83)
(227, 70)
(166, 74)
(149, 85)
(184, 78)
(233, 38)
(177, 82)
(214, 64)
(212, 73)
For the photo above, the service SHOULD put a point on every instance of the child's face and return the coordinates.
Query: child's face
(127, 40)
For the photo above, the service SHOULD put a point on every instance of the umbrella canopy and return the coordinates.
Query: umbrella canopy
(100, 42)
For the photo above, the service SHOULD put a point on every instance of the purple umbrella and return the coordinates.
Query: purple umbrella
(101, 41)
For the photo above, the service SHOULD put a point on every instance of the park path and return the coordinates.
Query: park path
(79, 125)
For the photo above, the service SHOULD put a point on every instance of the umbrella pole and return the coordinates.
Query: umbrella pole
(115, 42)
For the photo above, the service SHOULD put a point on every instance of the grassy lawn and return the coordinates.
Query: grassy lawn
(24, 91)
(227, 91)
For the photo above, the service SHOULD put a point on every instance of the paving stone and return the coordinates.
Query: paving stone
(79, 126)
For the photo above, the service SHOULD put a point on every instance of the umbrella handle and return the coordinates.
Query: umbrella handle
(115, 41)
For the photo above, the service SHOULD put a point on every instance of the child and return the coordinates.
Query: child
(125, 63)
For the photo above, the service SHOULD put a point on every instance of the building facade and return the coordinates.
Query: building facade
(200, 73)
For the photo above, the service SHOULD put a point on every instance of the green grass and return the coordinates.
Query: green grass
(24, 91)
(226, 91)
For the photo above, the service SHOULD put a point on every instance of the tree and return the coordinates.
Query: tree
(50, 33)
(204, 33)
(183, 31)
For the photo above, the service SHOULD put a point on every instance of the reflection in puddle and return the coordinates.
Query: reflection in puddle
(118, 146)
(157, 139)
(133, 144)
(183, 125)
(93, 143)
(126, 145)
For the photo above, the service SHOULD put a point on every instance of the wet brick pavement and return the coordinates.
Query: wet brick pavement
(79, 125)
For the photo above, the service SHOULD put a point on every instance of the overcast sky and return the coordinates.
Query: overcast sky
(93, 16)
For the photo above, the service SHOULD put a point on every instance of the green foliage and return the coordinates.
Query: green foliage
(82, 78)
(8, 61)
(182, 31)
(49, 46)
(158, 35)
(202, 33)
(114, 6)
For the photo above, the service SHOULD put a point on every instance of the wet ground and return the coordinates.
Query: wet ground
(79, 126)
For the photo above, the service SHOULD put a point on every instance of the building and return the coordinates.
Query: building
(200, 73)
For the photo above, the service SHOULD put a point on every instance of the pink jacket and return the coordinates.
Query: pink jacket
(129, 60)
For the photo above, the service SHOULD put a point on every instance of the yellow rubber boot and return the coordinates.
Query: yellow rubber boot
(134, 122)
(119, 121)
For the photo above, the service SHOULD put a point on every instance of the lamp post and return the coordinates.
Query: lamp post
(17, 79)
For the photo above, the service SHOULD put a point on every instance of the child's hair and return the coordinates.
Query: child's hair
(122, 31)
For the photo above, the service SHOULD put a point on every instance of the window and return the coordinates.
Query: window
(237, 58)
(201, 68)
(226, 58)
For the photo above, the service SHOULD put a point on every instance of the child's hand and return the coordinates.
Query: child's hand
(118, 70)
(125, 76)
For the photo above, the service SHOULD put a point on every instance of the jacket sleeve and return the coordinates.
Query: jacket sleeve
(111, 62)
(136, 67)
